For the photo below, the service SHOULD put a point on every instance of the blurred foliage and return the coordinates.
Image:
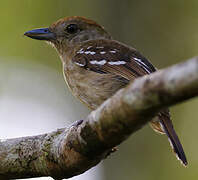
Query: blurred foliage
(164, 31)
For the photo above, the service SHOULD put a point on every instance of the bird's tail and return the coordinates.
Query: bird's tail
(167, 126)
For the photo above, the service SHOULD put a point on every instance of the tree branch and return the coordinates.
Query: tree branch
(71, 151)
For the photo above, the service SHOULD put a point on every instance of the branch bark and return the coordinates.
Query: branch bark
(71, 151)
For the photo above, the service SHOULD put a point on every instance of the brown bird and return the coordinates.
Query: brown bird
(96, 66)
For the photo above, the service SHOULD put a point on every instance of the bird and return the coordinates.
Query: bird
(96, 66)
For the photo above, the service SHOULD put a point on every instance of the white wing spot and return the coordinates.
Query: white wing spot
(89, 47)
(102, 62)
(90, 52)
(113, 51)
(99, 47)
(116, 62)
(102, 52)
(137, 59)
(79, 64)
(80, 51)
(142, 64)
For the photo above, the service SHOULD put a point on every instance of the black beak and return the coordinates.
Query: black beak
(41, 34)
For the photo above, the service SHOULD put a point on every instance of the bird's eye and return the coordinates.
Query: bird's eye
(71, 28)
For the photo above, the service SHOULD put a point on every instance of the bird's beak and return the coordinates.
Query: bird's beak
(41, 34)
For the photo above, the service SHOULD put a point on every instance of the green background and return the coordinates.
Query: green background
(166, 32)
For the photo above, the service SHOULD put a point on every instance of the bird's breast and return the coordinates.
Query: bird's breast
(91, 88)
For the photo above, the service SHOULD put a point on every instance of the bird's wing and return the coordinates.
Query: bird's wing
(105, 56)
(113, 58)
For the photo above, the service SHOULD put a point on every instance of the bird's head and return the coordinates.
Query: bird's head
(69, 32)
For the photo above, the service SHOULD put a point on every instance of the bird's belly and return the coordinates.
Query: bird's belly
(93, 91)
